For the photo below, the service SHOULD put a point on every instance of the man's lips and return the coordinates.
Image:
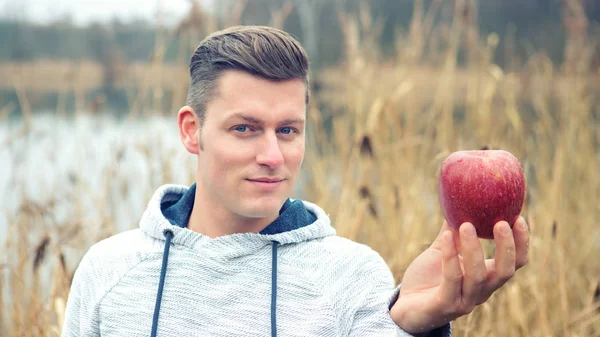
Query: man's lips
(266, 180)
(266, 184)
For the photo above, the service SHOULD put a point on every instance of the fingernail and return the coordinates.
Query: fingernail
(504, 230)
(522, 224)
(449, 237)
(470, 231)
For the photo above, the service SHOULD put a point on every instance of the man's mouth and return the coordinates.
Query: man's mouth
(267, 183)
(267, 180)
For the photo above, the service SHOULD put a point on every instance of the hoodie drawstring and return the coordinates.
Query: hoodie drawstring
(274, 290)
(163, 272)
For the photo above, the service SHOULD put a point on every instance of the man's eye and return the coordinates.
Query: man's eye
(286, 130)
(242, 128)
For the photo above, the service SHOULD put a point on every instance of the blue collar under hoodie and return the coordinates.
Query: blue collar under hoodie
(292, 215)
(295, 278)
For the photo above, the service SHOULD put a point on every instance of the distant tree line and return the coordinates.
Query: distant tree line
(534, 25)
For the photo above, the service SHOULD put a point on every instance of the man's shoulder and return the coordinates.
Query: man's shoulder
(119, 244)
(354, 256)
(119, 251)
(109, 260)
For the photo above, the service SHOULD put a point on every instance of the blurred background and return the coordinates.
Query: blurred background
(89, 94)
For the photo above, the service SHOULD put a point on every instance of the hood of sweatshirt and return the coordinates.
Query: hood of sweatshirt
(166, 219)
(170, 208)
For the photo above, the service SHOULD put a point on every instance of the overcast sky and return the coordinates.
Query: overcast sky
(84, 11)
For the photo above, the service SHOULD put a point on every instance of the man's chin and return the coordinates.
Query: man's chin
(264, 207)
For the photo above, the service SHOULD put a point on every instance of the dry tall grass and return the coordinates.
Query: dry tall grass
(67, 184)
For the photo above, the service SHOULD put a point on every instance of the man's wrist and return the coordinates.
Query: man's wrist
(405, 319)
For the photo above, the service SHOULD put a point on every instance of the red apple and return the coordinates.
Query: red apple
(481, 187)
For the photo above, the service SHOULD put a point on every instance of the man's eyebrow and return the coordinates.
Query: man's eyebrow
(246, 118)
(292, 121)
(258, 121)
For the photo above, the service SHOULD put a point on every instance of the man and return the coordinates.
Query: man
(233, 255)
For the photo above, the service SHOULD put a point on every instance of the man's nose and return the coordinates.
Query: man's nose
(269, 153)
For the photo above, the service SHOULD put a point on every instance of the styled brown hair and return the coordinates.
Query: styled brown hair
(262, 51)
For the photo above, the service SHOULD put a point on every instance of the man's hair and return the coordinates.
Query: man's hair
(265, 52)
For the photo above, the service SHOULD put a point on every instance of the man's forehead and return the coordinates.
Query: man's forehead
(238, 93)
(261, 117)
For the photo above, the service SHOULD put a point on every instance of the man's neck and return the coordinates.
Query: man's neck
(215, 221)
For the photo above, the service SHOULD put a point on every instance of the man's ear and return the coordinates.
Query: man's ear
(189, 129)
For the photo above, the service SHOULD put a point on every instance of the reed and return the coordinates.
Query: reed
(377, 133)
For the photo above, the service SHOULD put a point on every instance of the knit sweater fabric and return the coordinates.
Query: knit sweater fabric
(312, 281)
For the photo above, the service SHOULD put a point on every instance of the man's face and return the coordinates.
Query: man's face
(252, 144)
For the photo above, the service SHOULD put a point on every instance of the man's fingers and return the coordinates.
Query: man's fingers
(521, 235)
(469, 279)
(504, 256)
(451, 286)
(437, 243)
(474, 263)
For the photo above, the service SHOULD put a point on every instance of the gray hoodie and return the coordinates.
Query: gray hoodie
(296, 278)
